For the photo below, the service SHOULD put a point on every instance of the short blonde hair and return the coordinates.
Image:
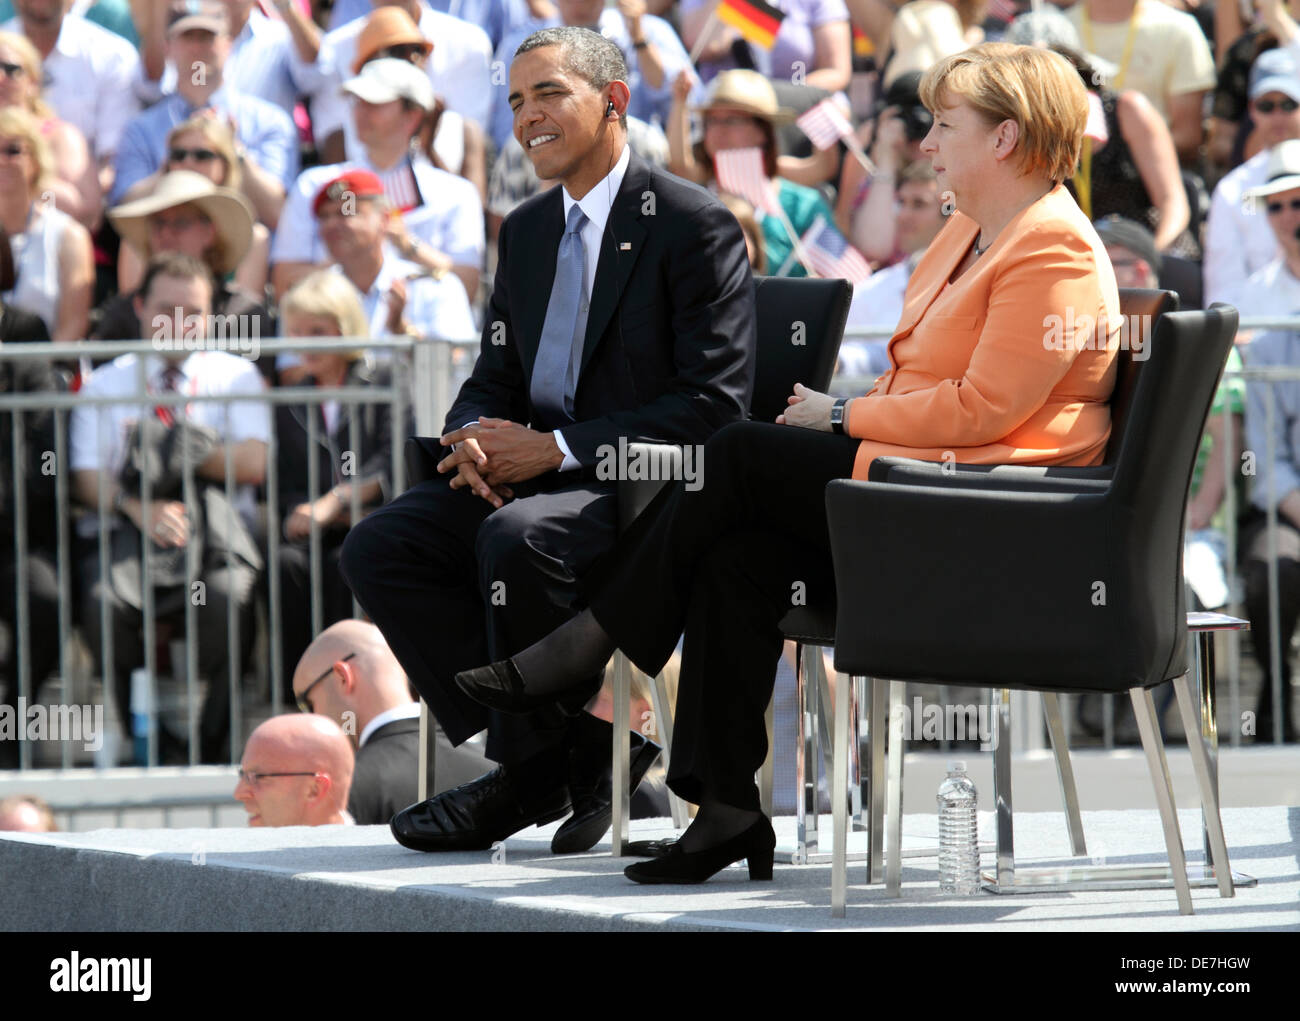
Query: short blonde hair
(34, 68)
(217, 134)
(1036, 88)
(325, 292)
(21, 124)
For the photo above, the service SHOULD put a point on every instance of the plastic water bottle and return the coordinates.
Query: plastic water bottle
(959, 855)
(141, 710)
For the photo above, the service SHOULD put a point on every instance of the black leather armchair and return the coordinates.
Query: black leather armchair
(1053, 580)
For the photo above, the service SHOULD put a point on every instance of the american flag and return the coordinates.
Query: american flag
(831, 256)
(825, 124)
(740, 172)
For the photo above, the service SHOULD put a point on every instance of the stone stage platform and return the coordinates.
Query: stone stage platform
(358, 879)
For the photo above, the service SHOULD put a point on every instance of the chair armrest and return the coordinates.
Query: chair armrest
(982, 587)
(1009, 477)
(422, 454)
(636, 494)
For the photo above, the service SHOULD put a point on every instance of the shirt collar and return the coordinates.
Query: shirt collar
(597, 203)
(409, 711)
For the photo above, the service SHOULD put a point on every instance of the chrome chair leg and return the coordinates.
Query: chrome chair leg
(1196, 744)
(876, 716)
(894, 792)
(664, 735)
(1006, 851)
(620, 807)
(1145, 711)
(806, 752)
(861, 756)
(1064, 772)
(839, 783)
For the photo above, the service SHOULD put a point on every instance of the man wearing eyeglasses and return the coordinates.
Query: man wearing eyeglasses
(296, 771)
(350, 675)
(1238, 240)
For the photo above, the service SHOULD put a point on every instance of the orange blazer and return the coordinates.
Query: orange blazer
(1011, 364)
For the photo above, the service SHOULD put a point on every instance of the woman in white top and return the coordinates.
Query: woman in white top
(53, 258)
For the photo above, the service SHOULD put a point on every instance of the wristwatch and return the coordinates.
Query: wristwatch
(837, 415)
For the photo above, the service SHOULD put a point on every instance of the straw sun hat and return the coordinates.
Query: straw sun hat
(748, 91)
(230, 213)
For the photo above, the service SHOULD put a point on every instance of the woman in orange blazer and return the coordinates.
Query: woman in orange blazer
(1005, 354)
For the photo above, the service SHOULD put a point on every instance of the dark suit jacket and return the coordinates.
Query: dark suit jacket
(384, 781)
(25, 376)
(671, 336)
(374, 436)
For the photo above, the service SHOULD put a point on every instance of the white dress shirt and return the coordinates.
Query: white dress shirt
(1271, 291)
(92, 77)
(98, 433)
(1238, 240)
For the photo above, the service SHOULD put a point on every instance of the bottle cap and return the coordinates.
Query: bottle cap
(956, 767)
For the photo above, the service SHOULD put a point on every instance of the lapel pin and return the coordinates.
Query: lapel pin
(625, 246)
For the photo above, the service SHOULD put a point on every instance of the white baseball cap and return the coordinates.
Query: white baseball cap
(387, 79)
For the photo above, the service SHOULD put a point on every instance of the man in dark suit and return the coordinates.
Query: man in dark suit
(623, 309)
(350, 675)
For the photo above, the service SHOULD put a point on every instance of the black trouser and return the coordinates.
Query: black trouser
(221, 586)
(43, 631)
(1254, 546)
(296, 594)
(454, 584)
(725, 563)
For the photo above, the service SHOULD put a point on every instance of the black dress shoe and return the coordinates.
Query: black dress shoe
(592, 795)
(651, 848)
(475, 815)
(499, 686)
(756, 844)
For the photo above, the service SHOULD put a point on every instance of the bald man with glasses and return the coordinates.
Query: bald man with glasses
(296, 771)
(350, 675)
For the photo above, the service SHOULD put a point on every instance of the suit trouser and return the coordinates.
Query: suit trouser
(221, 587)
(724, 563)
(454, 584)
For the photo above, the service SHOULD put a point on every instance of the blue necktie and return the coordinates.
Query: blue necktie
(555, 370)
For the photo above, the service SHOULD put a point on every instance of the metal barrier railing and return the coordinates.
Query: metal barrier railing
(423, 377)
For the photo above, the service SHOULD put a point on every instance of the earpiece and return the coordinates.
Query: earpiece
(609, 110)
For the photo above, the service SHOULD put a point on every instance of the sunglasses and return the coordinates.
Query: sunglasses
(303, 700)
(403, 51)
(14, 71)
(1269, 105)
(181, 155)
(1276, 207)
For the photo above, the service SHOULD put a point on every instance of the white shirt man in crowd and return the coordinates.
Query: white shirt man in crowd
(397, 295)
(1238, 241)
(441, 223)
(1274, 288)
(459, 68)
(174, 303)
(198, 44)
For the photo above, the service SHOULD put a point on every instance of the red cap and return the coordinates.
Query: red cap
(359, 183)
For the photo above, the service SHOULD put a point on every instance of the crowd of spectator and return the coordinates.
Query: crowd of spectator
(314, 169)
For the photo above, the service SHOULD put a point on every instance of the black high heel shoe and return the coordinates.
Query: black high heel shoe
(756, 844)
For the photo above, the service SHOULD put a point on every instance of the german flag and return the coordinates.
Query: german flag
(755, 20)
